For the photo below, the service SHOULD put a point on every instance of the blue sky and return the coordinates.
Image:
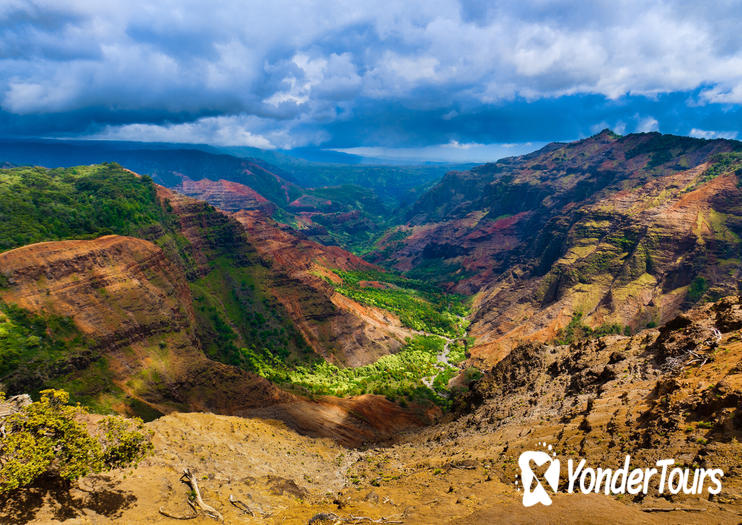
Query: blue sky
(435, 79)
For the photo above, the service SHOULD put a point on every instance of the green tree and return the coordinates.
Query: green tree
(51, 437)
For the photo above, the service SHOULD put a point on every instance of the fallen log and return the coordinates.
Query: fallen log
(670, 509)
(189, 478)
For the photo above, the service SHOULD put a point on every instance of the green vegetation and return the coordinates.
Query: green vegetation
(386, 243)
(50, 438)
(723, 163)
(234, 310)
(232, 306)
(457, 352)
(237, 320)
(37, 204)
(41, 351)
(396, 376)
(349, 216)
(437, 269)
(30, 344)
(697, 288)
(246, 336)
(659, 157)
(349, 196)
(419, 305)
(664, 148)
(440, 383)
(472, 374)
(576, 330)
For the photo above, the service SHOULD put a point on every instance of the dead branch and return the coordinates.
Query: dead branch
(670, 509)
(240, 505)
(370, 520)
(190, 478)
(173, 516)
(328, 516)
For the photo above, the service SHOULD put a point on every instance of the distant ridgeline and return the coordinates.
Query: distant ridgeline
(347, 205)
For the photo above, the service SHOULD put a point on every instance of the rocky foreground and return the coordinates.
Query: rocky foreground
(675, 392)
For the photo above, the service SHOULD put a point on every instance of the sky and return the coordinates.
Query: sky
(464, 80)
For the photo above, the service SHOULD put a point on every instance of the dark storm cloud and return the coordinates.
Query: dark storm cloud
(30, 32)
(345, 74)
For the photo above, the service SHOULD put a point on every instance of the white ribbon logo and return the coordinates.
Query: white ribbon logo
(533, 490)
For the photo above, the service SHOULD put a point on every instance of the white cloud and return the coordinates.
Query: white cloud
(289, 62)
(618, 127)
(638, 48)
(458, 145)
(450, 152)
(723, 94)
(221, 131)
(648, 124)
(708, 134)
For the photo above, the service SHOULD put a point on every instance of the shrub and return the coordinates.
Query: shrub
(457, 352)
(50, 437)
(472, 374)
(697, 288)
(576, 330)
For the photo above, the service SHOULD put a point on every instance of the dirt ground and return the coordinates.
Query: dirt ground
(284, 477)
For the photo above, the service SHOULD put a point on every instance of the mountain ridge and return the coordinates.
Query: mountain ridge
(225, 286)
(580, 230)
(300, 193)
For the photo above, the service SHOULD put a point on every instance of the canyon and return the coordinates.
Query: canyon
(615, 230)
(585, 295)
